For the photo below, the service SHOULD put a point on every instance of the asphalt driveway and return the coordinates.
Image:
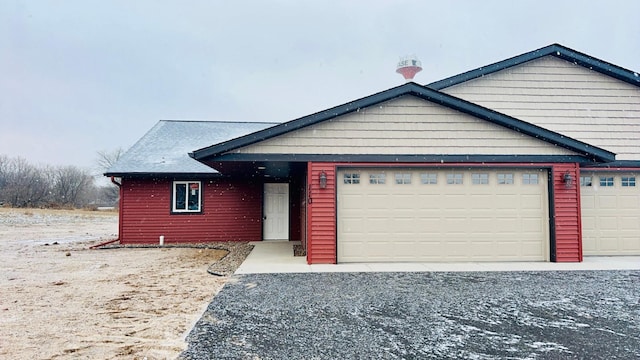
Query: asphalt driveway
(479, 315)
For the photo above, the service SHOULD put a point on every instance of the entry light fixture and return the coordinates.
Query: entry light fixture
(323, 180)
(568, 180)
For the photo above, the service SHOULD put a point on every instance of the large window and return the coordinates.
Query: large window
(186, 197)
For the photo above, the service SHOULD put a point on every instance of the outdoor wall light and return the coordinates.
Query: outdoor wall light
(323, 180)
(568, 180)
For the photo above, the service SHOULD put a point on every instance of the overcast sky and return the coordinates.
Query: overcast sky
(77, 77)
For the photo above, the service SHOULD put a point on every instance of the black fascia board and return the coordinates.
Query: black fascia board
(167, 175)
(556, 50)
(443, 159)
(422, 92)
(616, 164)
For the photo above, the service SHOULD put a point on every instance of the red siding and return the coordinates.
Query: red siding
(321, 215)
(321, 212)
(566, 205)
(231, 212)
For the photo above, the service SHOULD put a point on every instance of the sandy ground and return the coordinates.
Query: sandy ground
(64, 300)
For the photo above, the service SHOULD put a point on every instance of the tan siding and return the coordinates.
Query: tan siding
(566, 98)
(407, 125)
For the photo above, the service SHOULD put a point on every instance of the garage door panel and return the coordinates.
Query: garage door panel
(611, 214)
(444, 222)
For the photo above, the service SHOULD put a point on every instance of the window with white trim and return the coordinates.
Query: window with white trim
(586, 181)
(530, 179)
(628, 181)
(429, 178)
(187, 197)
(505, 179)
(480, 179)
(454, 179)
(606, 181)
(352, 178)
(379, 178)
(403, 178)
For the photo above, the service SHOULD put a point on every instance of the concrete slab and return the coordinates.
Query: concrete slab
(277, 257)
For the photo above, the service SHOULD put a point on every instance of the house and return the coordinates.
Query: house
(534, 158)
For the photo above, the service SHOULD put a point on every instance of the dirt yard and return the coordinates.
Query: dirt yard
(59, 299)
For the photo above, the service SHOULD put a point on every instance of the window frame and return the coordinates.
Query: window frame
(429, 178)
(505, 178)
(402, 178)
(606, 181)
(377, 178)
(586, 181)
(174, 198)
(628, 181)
(351, 178)
(528, 177)
(452, 178)
(479, 178)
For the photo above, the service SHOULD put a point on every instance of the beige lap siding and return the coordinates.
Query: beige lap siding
(407, 125)
(566, 98)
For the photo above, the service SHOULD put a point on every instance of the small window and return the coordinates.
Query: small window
(454, 179)
(585, 181)
(505, 179)
(429, 178)
(628, 181)
(606, 181)
(377, 178)
(186, 196)
(529, 179)
(403, 178)
(479, 179)
(351, 178)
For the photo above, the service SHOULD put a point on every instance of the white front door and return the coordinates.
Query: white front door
(276, 211)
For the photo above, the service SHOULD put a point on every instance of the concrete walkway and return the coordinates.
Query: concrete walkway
(277, 257)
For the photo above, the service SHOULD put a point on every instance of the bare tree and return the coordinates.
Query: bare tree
(70, 184)
(23, 184)
(106, 159)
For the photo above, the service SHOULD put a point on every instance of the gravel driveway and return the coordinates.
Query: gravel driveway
(480, 315)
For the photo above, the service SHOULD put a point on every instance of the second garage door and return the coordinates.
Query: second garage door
(610, 213)
(409, 215)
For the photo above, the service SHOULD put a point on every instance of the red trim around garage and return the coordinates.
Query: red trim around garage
(321, 212)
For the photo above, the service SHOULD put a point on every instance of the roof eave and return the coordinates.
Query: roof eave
(598, 154)
(556, 50)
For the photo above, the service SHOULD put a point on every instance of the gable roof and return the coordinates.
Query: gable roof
(555, 50)
(164, 149)
(591, 152)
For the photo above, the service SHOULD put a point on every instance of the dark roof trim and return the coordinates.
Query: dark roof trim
(620, 164)
(556, 50)
(592, 152)
(441, 159)
(146, 175)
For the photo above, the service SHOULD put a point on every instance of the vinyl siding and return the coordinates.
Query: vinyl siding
(321, 215)
(565, 225)
(565, 98)
(566, 203)
(407, 125)
(231, 212)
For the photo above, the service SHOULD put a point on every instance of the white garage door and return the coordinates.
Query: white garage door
(610, 213)
(430, 215)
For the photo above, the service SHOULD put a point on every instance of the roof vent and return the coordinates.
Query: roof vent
(409, 66)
